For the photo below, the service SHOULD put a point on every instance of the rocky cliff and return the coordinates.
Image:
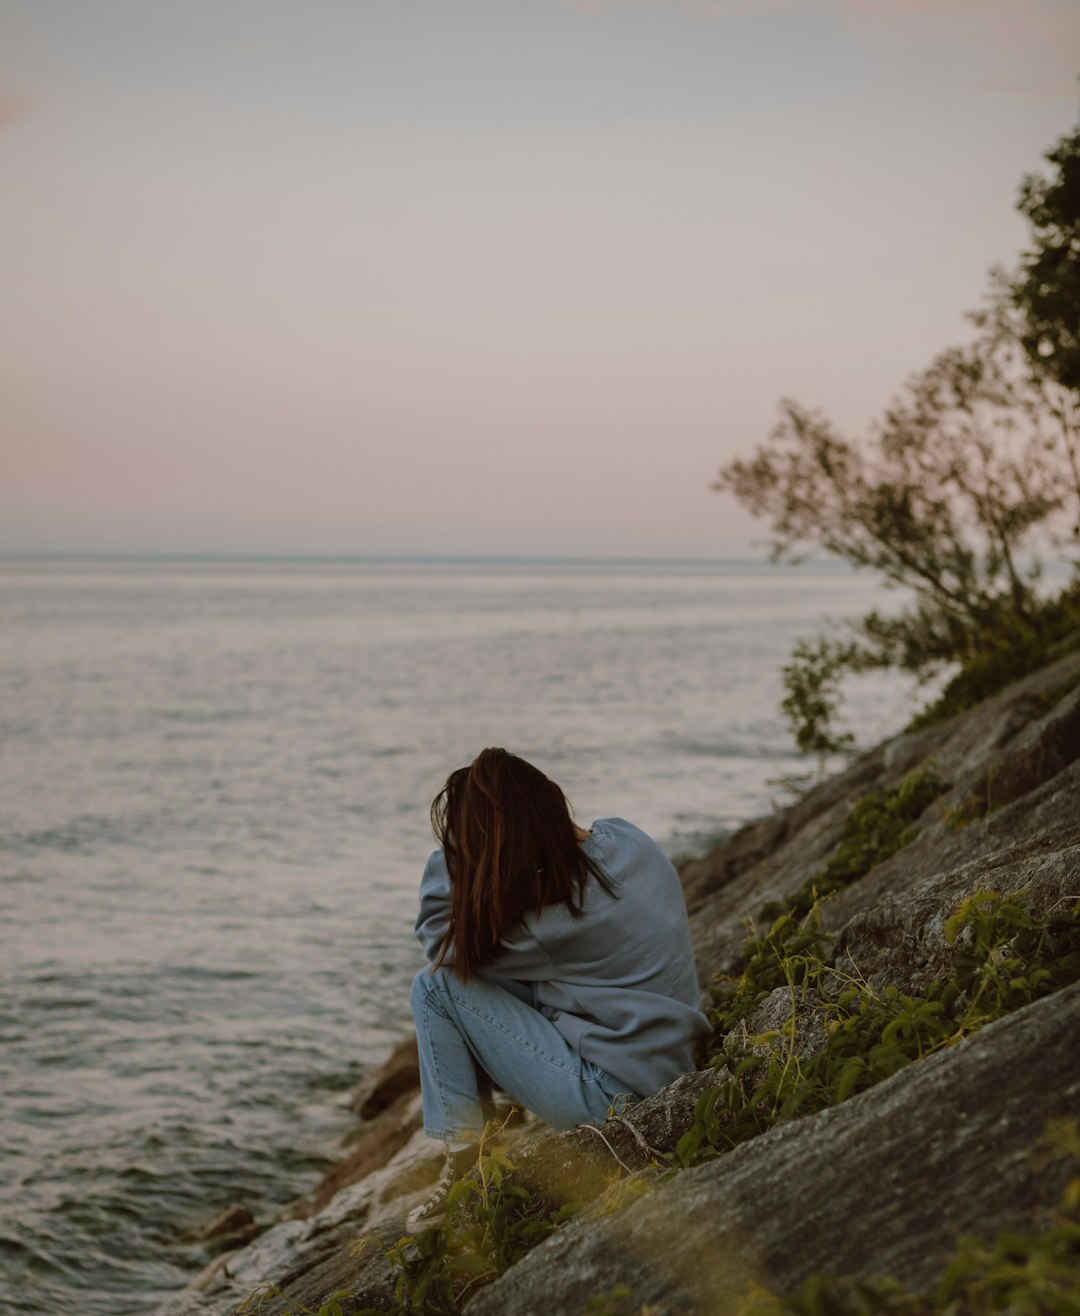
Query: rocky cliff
(889, 1061)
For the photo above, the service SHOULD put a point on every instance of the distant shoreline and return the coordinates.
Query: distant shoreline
(402, 559)
(835, 567)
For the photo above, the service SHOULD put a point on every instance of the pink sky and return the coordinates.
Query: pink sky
(502, 277)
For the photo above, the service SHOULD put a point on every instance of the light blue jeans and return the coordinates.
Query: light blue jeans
(473, 1034)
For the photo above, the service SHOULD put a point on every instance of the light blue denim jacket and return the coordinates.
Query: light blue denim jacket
(618, 982)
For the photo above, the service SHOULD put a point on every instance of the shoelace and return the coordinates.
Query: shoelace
(441, 1190)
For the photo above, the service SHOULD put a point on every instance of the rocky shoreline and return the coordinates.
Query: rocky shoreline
(882, 1184)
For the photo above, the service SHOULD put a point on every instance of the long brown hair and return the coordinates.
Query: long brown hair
(510, 848)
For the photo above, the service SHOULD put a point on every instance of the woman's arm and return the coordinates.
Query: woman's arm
(521, 957)
(434, 916)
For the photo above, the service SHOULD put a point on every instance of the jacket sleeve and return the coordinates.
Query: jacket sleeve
(434, 916)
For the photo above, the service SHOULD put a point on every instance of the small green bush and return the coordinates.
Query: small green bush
(881, 823)
(491, 1222)
(1020, 647)
(1007, 956)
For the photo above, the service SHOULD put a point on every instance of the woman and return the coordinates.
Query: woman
(561, 965)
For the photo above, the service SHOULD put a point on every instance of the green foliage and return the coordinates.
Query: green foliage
(1047, 290)
(619, 1194)
(881, 823)
(944, 500)
(1007, 956)
(1021, 646)
(812, 682)
(826, 1295)
(612, 1303)
(977, 805)
(790, 954)
(964, 465)
(491, 1222)
(973, 470)
(784, 955)
(1016, 1274)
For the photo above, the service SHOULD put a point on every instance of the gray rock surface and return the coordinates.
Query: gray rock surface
(373, 1146)
(882, 1183)
(1025, 741)
(311, 1258)
(397, 1076)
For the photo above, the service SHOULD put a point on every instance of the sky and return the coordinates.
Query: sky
(506, 277)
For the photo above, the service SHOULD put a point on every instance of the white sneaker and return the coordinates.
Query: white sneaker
(430, 1214)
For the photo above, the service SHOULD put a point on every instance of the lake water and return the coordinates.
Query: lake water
(214, 784)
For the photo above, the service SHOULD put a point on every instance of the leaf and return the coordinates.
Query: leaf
(849, 1076)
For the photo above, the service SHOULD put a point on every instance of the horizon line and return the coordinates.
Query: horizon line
(418, 559)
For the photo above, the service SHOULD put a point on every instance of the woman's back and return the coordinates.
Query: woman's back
(618, 980)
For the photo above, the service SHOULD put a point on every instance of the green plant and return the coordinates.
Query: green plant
(880, 823)
(1047, 288)
(827, 1295)
(611, 1303)
(491, 1222)
(1009, 955)
(971, 474)
(785, 953)
(1051, 630)
(1006, 955)
(812, 696)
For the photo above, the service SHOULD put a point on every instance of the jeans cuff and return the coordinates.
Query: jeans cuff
(450, 1135)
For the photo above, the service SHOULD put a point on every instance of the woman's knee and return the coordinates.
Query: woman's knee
(428, 980)
(420, 984)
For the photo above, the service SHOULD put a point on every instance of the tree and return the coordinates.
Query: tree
(1047, 288)
(972, 470)
(971, 475)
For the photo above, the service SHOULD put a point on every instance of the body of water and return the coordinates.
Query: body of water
(214, 784)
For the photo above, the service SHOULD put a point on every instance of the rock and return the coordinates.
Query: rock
(232, 1229)
(207, 1277)
(759, 841)
(310, 1259)
(576, 1166)
(883, 1184)
(900, 941)
(902, 752)
(398, 1075)
(374, 1146)
(232, 1219)
(1038, 753)
(1022, 740)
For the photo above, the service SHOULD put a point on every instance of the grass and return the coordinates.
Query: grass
(880, 824)
(1006, 956)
